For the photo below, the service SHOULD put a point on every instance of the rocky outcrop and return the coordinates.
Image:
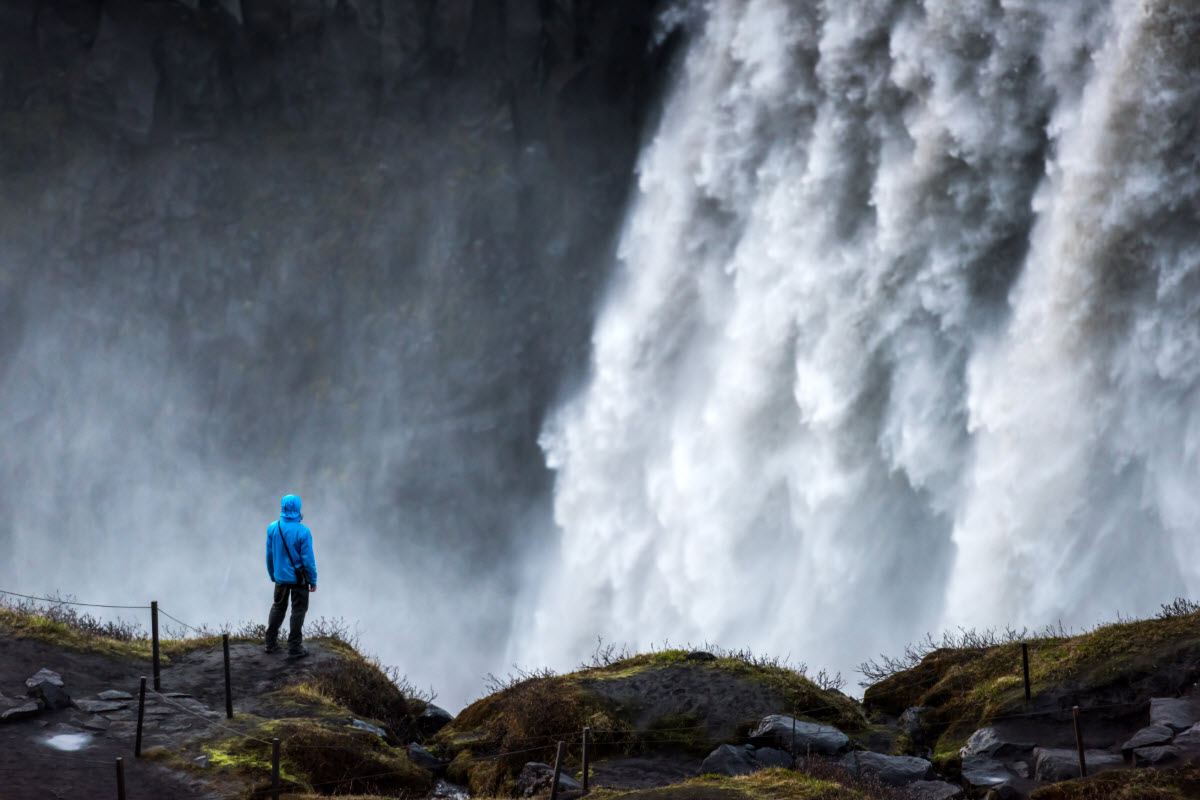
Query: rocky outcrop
(432, 720)
(1060, 764)
(1176, 713)
(989, 742)
(735, 760)
(1147, 737)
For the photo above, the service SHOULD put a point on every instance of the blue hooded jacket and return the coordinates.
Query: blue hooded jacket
(298, 538)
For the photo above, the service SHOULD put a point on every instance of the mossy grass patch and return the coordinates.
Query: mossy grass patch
(768, 784)
(1142, 784)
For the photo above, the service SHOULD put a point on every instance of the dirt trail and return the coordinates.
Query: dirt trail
(193, 700)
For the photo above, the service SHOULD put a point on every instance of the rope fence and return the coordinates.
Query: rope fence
(561, 739)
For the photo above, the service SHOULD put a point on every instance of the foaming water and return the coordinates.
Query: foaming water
(904, 335)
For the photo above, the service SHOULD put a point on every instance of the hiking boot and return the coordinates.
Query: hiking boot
(301, 653)
(272, 648)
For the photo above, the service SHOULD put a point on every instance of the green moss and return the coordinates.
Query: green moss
(1142, 784)
(769, 784)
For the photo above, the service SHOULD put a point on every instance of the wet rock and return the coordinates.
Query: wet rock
(45, 676)
(53, 697)
(536, 777)
(423, 758)
(989, 742)
(201, 762)
(1055, 764)
(432, 720)
(97, 724)
(113, 694)
(368, 727)
(776, 731)
(1148, 737)
(1018, 768)
(101, 706)
(770, 757)
(1189, 738)
(730, 760)
(935, 790)
(24, 711)
(1176, 713)
(983, 772)
(892, 770)
(1153, 756)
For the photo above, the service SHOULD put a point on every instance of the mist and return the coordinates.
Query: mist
(348, 251)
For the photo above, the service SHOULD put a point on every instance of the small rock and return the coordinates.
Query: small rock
(1148, 737)
(770, 757)
(700, 655)
(30, 709)
(536, 777)
(53, 697)
(730, 760)
(935, 790)
(910, 722)
(892, 770)
(422, 757)
(366, 726)
(989, 742)
(201, 762)
(1060, 764)
(983, 772)
(1163, 754)
(432, 720)
(1019, 768)
(45, 676)
(97, 724)
(113, 694)
(101, 706)
(776, 731)
(1176, 713)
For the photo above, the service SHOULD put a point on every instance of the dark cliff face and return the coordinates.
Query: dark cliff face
(345, 248)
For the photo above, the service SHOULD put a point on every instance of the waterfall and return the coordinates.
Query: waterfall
(904, 334)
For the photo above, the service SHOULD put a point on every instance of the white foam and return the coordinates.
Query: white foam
(69, 742)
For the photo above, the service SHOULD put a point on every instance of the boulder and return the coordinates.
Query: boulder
(113, 694)
(910, 722)
(44, 676)
(935, 790)
(97, 724)
(432, 720)
(984, 772)
(1189, 738)
(101, 706)
(730, 760)
(1148, 737)
(1176, 713)
(25, 711)
(368, 727)
(770, 757)
(536, 777)
(423, 758)
(1060, 764)
(776, 731)
(700, 655)
(892, 770)
(1153, 756)
(53, 697)
(989, 742)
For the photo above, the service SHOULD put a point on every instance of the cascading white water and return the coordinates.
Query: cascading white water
(905, 334)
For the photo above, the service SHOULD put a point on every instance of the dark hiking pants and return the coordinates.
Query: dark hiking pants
(299, 593)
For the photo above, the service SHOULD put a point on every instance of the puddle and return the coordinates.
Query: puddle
(69, 741)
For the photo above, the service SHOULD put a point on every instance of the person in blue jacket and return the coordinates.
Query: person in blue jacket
(292, 566)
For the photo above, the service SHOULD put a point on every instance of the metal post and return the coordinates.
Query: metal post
(558, 763)
(587, 746)
(275, 769)
(228, 687)
(1079, 743)
(137, 746)
(154, 644)
(1025, 661)
(120, 779)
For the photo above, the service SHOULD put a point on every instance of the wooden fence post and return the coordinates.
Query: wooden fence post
(558, 764)
(228, 687)
(1079, 743)
(275, 769)
(587, 747)
(1025, 663)
(120, 779)
(154, 644)
(137, 746)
